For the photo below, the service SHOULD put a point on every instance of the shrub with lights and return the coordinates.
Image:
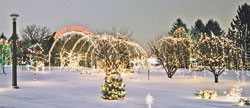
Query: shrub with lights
(235, 93)
(244, 101)
(207, 94)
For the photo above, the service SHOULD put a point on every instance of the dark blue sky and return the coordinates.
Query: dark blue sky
(146, 18)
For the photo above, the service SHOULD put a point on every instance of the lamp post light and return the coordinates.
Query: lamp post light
(14, 57)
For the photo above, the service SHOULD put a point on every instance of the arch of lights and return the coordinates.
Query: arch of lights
(81, 52)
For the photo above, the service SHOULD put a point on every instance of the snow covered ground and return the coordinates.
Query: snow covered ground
(70, 89)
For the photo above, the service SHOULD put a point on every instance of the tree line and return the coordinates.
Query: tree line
(205, 46)
(238, 32)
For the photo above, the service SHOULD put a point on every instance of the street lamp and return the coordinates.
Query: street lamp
(14, 58)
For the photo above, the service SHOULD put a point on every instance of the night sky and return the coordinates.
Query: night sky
(145, 18)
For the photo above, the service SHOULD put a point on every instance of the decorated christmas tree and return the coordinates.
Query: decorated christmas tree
(6, 53)
(114, 57)
(36, 54)
(113, 88)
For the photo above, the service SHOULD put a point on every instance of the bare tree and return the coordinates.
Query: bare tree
(34, 34)
(115, 31)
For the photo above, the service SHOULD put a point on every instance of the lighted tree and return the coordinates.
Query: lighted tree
(6, 53)
(113, 88)
(33, 34)
(214, 52)
(173, 51)
(36, 54)
(113, 54)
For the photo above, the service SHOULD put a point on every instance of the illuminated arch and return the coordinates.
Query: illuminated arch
(70, 30)
(136, 52)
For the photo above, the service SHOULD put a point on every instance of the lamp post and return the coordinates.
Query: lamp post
(14, 57)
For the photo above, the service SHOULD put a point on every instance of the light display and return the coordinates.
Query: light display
(172, 52)
(214, 53)
(207, 94)
(86, 72)
(149, 100)
(113, 88)
(76, 48)
(235, 93)
(6, 53)
(244, 101)
(36, 55)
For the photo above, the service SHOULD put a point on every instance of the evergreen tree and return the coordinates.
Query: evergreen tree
(213, 26)
(114, 54)
(47, 44)
(11, 38)
(113, 88)
(3, 37)
(239, 31)
(197, 29)
(179, 23)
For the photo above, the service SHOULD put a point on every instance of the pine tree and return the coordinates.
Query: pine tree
(179, 23)
(3, 37)
(113, 88)
(240, 31)
(213, 26)
(197, 29)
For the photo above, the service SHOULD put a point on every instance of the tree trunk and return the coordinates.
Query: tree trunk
(216, 77)
(4, 70)
(169, 76)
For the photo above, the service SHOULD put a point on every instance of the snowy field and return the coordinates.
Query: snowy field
(70, 89)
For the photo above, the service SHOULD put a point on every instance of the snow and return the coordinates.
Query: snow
(152, 60)
(70, 89)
